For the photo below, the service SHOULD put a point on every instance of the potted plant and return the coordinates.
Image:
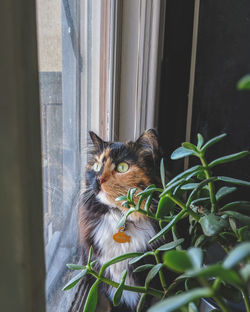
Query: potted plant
(200, 198)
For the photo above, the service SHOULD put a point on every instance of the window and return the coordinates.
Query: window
(59, 67)
(99, 65)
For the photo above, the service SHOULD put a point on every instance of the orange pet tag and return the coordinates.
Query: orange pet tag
(121, 237)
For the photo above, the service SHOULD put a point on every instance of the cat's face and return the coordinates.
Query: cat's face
(117, 167)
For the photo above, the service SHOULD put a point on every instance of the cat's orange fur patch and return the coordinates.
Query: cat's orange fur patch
(115, 181)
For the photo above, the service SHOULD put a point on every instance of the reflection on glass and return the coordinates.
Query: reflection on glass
(59, 92)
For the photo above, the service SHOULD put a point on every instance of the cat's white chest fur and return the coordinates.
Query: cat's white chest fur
(140, 233)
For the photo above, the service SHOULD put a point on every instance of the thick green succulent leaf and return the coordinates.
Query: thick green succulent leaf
(169, 187)
(121, 258)
(239, 216)
(141, 303)
(178, 260)
(228, 158)
(200, 240)
(131, 193)
(189, 186)
(234, 181)
(90, 255)
(120, 198)
(212, 224)
(240, 206)
(237, 255)
(152, 273)
(91, 302)
(167, 227)
(223, 191)
(244, 83)
(148, 203)
(174, 303)
(214, 271)
(163, 175)
(149, 190)
(171, 245)
(181, 152)
(185, 173)
(143, 267)
(190, 146)
(118, 293)
(192, 307)
(200, 140)
(212, 141)
(245, 272)
(196, 257)
(199, 187)
(233, 225)
(203, 201)
(75, 266)
(141, 256)
(165, 205)
(75, 279)
(124, 218)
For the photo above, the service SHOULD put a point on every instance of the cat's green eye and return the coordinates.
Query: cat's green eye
(122, 167)
(97, 167)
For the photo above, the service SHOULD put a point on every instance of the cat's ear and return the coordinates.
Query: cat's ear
(99, 144)
(149, 140)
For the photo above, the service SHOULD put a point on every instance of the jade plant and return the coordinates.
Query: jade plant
(200, 197)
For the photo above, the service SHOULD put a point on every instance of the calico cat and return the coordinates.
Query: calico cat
(113, 169)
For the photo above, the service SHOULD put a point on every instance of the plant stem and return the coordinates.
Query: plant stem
(183, 207)
(246, 298)
(161, 274)
(210, 184)
(216, 284)
(153, 217)
(138, 289)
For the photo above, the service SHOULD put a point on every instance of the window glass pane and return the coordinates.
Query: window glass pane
(59, 66)
(75, 58)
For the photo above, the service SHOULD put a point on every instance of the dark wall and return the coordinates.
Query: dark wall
(223, 57)
(175, 76)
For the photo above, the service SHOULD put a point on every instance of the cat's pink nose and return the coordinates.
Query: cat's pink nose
(102, 180)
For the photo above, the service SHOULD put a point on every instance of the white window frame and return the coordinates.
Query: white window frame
(126, 89)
